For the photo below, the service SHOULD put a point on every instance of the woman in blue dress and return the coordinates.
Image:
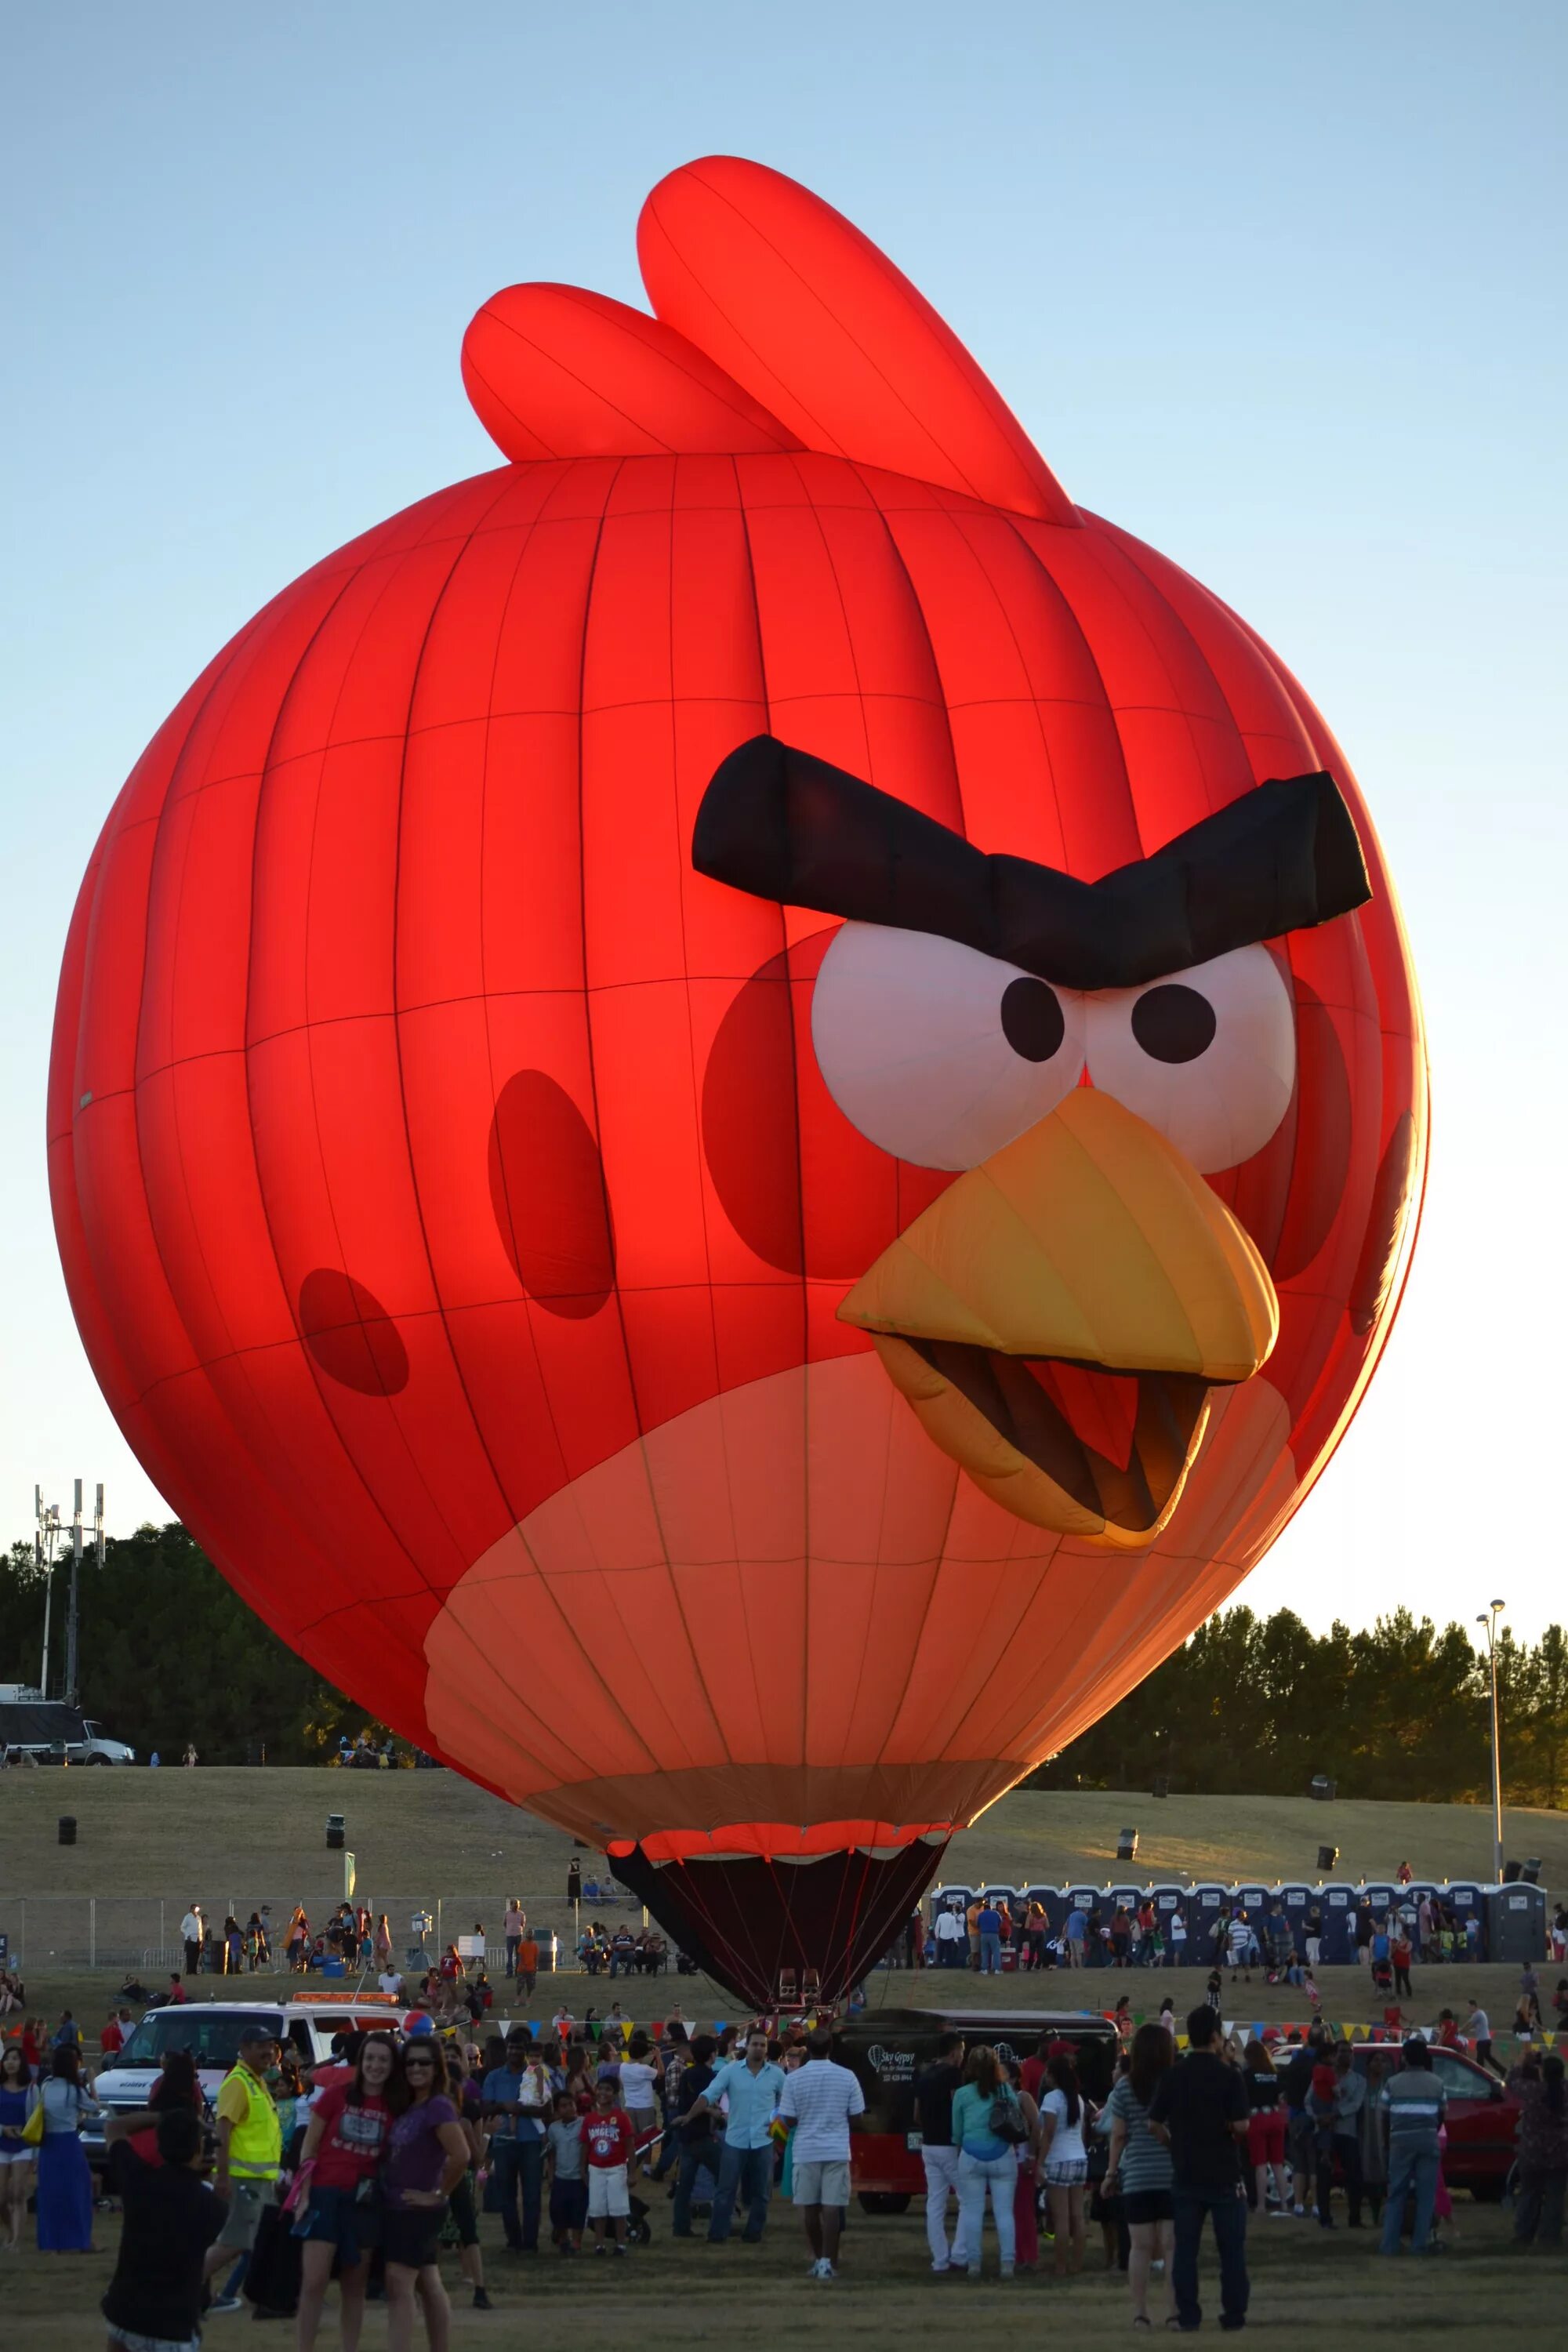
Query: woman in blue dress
(18, 2097)
(65, 2182)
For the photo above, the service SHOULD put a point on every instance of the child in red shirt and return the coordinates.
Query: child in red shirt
(610, 2145)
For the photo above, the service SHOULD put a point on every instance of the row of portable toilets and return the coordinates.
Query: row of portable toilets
(1512, 1918)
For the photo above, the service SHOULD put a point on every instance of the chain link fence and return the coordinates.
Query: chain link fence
(137, 1932)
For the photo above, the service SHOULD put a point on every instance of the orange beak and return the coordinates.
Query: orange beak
(1088, 1244)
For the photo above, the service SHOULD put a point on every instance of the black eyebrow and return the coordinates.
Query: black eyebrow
(781, 825)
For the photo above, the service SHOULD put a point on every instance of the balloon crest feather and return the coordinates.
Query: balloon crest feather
(778, 326)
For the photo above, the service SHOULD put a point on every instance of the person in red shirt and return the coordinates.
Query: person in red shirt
(111, 2038)
(344, 2145)
(610, 2145)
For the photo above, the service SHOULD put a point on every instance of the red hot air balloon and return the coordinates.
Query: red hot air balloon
(735, 1111)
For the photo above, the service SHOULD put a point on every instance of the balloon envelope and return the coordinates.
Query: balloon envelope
(739, 1304)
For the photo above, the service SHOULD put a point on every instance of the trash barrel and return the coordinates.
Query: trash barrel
(68, 1829)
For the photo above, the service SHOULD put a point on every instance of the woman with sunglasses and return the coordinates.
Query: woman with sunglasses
(338, 2218)
(426, 2155)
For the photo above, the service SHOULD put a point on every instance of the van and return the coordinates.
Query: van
(210, 2031)
(886, 2049)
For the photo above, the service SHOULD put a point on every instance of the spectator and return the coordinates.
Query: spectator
(171, 2219)
(20, 2094)
(641, 2073)
(988, 1925)
(1139, 2166)
(1178, 1939)
(568, 2188)
(1029, 2173)
(193, 1932)
(611, 2148)
(1314, 1937)
(1064, 2159)
(517, 2097)
(987, 2128)
(972, 1929)
(249, 2151)
(514, 1926)
(1075, 1932)
(1320, 2111)
(112, 2037)
(1350, 2103)
(1414, 2105)
(528, 1963)
(750, 2087)
(949, 1934)
(1200, 2109)
(820, 2098)
(701, 2147)
(64, 2191)
(342, 2145)
(464, 2094)
(1537, 2084)
(1399, 1952)
(935, 2091)
(1266, 2131)
(427, 2156)
(1374, 2139)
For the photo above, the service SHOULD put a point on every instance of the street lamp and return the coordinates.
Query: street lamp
(1490, 1622)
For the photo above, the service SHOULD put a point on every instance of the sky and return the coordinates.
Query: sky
(1280, 291)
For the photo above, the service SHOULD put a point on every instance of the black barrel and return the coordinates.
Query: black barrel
(68, 1829)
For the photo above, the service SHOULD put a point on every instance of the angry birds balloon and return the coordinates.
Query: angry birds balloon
(736, 1111)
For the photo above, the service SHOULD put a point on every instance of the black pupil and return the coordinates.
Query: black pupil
(1032, 1019)
(1174, 1023)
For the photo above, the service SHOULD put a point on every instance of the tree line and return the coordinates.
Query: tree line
(1402, 1710)
(1251, 1706)
(168, 1653)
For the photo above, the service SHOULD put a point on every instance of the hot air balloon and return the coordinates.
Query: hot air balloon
(736, 1111)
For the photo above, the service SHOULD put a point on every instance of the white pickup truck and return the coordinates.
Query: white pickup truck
(210, 2031)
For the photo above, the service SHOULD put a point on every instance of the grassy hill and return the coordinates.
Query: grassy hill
(231, 1836)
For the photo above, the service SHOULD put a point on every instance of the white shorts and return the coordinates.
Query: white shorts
(609, 2198)
(129, 2341)
(820, 2183)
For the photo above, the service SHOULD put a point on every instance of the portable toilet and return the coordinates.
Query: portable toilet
(1254, 1900)
(1384, 1897)
(1127, 1897)
(1464, 1899)
(1206, 1907)
(1168, 1900)
(1516, 1922)
(1338, 1903)
(1295, 1902)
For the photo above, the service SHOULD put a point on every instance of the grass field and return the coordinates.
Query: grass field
(1310, 2289)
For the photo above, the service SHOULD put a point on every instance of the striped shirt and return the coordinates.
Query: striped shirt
(1144, 2164)
(1414, 2101)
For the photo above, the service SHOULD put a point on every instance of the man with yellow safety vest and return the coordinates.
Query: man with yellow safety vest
(250, 2151)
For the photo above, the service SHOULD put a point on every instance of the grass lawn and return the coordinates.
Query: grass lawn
(1310, 2288)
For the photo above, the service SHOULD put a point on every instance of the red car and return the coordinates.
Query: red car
(1482, 2118)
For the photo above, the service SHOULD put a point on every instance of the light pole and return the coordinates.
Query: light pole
(1490, 1622)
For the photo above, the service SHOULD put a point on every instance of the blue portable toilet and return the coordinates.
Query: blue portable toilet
(1129, 1897)
(1206, 1907)
(1384, 1897)
(1516, 1922)
(1466, 1899)
(1295, 1902)
(1167, 1901)
(1338, 1903)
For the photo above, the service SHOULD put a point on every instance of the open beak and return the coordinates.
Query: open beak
(1059, 1316)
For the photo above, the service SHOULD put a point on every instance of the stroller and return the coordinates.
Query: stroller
(1383, 1975)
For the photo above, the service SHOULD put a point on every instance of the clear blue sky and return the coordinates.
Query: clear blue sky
(1278, 289)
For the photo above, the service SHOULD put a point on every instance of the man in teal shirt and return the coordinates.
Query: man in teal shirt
(751, 2085)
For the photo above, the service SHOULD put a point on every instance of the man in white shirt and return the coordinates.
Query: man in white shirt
(193, 1930)
(391, 1983)
(1478, 2030)
(820, 2097)
(949, 1938)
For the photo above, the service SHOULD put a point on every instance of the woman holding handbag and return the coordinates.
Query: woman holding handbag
(65, 2182)
(19, 2137)
(988, 2128)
